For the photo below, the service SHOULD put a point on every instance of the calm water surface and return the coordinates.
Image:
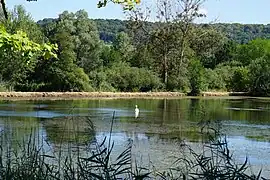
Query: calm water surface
(156, 133)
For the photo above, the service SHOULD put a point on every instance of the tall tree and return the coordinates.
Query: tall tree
(64, 74)
(87, 42)
(123, 46)
(208, 44)
(169, 39)
(19, 19)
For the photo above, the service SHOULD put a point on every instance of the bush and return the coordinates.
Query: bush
(240, 80)
(3, 87)
(77, 80)
(51, 75)
(260, 76)
(179, 82)
(99, 81)
(125, 78)
(214, 80)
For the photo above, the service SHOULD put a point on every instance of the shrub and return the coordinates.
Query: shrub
(126, 78)
(260, 76)
(214, 80)
(99, 81)
(240, 80)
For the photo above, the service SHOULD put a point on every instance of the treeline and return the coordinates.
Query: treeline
(240, 33)
(111, 55)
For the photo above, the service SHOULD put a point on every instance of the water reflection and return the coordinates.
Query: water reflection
(77, 131)
(161, 123)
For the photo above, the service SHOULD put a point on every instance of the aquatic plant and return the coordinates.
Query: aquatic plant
(31, 161)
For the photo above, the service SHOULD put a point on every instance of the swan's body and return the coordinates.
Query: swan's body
(137, 111)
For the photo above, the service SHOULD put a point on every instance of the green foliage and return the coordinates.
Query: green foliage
(126, 78)
(19, 56)
(240, 80)
(196, 76)
(243, 33)
(208, 44)
(260, 76)
(109, 28)
(19, 42)
(254, 49)
(130, 58)
(87, 42)
(20, 20)
(215, 80)
(127, 4)
(4, 87)
(99, 81)
(238, 33)
(123, 45)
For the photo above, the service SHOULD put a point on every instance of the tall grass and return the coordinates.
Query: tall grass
(31, 161)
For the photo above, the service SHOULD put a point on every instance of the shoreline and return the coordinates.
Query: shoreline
(94, 95)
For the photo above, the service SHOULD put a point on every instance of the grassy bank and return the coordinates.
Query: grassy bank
(34, 95)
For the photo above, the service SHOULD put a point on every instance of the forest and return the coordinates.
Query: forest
(76, 53)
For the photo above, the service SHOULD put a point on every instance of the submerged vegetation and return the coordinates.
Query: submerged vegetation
(76, 53)
(97, 160)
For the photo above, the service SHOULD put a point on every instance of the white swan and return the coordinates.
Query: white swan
(137, 111)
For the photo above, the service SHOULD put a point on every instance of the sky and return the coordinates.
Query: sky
(225, 11)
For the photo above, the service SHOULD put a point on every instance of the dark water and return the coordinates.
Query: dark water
(156, 133)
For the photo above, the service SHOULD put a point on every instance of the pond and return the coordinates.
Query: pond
(155, 133)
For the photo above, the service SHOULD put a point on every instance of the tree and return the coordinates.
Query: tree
(20, 20)
(20, 52)
(207, 42)
(87, 42)
(84, 36)
(240, 80)
(196, 76)
(260, 76)
(4, 8)
(169, 39)
(65, 74)
(126, 78)
(123, 46)
(255, 49)
(19, 55)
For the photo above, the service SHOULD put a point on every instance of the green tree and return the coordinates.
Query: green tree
(20, 20)
(63, 74)
(206, 42)
(123, 45)
(215, 80)
(87, 42)
(240, 80)
(260, 76)
(128, 4)
(257, 48)
(19, 55)
(196, 76)
(168, 41)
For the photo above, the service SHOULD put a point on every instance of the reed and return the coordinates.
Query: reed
(30, 161)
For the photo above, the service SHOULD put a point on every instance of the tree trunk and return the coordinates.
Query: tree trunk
(165, 71)
(3, 5)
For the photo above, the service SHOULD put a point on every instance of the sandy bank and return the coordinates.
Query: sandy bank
(85, 95)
